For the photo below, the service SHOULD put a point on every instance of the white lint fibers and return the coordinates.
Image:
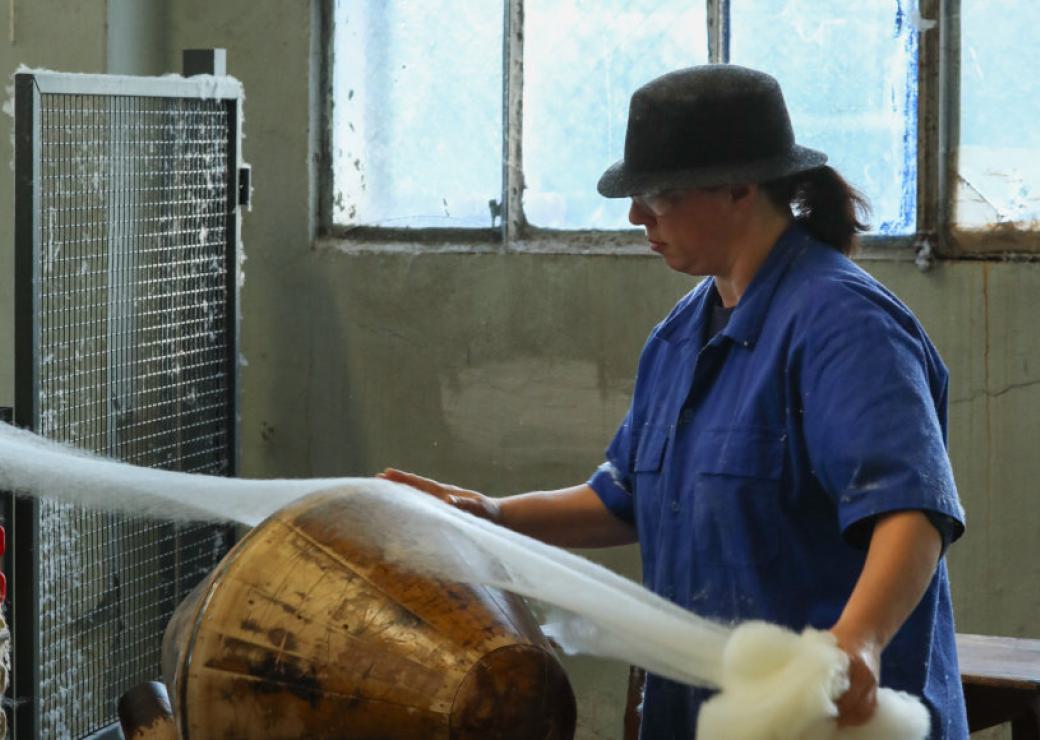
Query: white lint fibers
(775, 684)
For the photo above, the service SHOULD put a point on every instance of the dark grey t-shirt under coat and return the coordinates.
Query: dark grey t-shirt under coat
(718, 317)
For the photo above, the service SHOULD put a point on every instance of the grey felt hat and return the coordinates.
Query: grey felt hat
(717, 124)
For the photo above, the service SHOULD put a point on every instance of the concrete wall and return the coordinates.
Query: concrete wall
(508, 372)
(117, 36)
(37, 33)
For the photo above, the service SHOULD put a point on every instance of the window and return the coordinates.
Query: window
(848, 70)
(417, 120)
(495, 118)
(582, 61)
(998, 168)
(421, 114)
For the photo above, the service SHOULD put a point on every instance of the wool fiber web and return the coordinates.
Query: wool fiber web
(774, 683)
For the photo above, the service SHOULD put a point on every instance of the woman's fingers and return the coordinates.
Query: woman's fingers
(478, 505)
(472, 505)
(856, 710)
(469, 501)
(856, 706)
(427, 485)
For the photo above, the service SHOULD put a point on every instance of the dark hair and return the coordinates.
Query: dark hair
(828, 207)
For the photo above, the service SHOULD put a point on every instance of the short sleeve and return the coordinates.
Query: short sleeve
(873, 395)
(612, 480)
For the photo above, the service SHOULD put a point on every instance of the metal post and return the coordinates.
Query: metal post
(24, 518)
(234, 220)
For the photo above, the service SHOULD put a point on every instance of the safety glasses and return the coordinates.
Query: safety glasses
(658, 203)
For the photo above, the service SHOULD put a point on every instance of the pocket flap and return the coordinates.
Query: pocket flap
(749, 452)
(650, 449)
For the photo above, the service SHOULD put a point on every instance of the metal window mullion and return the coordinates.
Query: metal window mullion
(513, 220)
(718, 31)
(326, 58)
(949, 135)
(930, 213)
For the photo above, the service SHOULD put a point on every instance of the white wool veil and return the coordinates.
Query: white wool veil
(775, 684)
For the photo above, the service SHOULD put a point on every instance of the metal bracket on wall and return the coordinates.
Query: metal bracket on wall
(245, 186)
(204, 62)
(924, 253)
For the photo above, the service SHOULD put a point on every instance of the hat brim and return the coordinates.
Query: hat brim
(619, 182)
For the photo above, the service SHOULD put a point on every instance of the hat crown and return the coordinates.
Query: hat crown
(707, 116)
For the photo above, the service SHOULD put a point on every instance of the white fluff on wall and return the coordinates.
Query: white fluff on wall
(775, 684)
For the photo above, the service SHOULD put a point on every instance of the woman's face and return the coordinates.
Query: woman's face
(692, 229)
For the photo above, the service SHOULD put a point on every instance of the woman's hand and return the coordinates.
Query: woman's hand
(471, 502)
(904, 549)
(856, 706)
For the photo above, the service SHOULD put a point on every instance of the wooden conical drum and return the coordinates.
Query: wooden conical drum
(303, 632)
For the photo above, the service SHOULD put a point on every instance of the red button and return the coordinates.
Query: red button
(3, 541)
(3, 587)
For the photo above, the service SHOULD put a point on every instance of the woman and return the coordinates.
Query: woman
(783, 457)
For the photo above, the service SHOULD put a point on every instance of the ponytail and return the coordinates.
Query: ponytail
(823, 202)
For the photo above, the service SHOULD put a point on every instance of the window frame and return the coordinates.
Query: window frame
(998, 240)
(936, 234)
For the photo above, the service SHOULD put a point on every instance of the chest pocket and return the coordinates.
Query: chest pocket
(647, 472)
(745, 452)
(650, 451)
(737, 508)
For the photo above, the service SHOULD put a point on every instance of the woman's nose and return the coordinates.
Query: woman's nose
(639, 216)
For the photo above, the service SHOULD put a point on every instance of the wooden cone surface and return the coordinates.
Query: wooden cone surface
(303, 632)
(145, 713)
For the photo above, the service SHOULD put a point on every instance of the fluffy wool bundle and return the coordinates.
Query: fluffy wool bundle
(780, 685)
(775, 684)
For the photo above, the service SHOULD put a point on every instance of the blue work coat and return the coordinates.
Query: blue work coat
(753, 466)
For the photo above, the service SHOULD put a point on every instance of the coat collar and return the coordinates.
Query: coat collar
(687, 322)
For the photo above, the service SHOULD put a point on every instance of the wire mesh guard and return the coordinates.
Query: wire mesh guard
(134, 362)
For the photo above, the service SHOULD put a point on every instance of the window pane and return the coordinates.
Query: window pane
(999, 168)
(417, 118)
(583, 59)
(848, 69)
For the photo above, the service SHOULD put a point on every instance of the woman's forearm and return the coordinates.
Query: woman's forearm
(904, 551)
(569, 517)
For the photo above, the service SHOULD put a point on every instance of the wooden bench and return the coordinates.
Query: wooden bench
(1001, 678)
(1000, 675)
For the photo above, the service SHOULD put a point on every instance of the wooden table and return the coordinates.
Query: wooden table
(1001, 678)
